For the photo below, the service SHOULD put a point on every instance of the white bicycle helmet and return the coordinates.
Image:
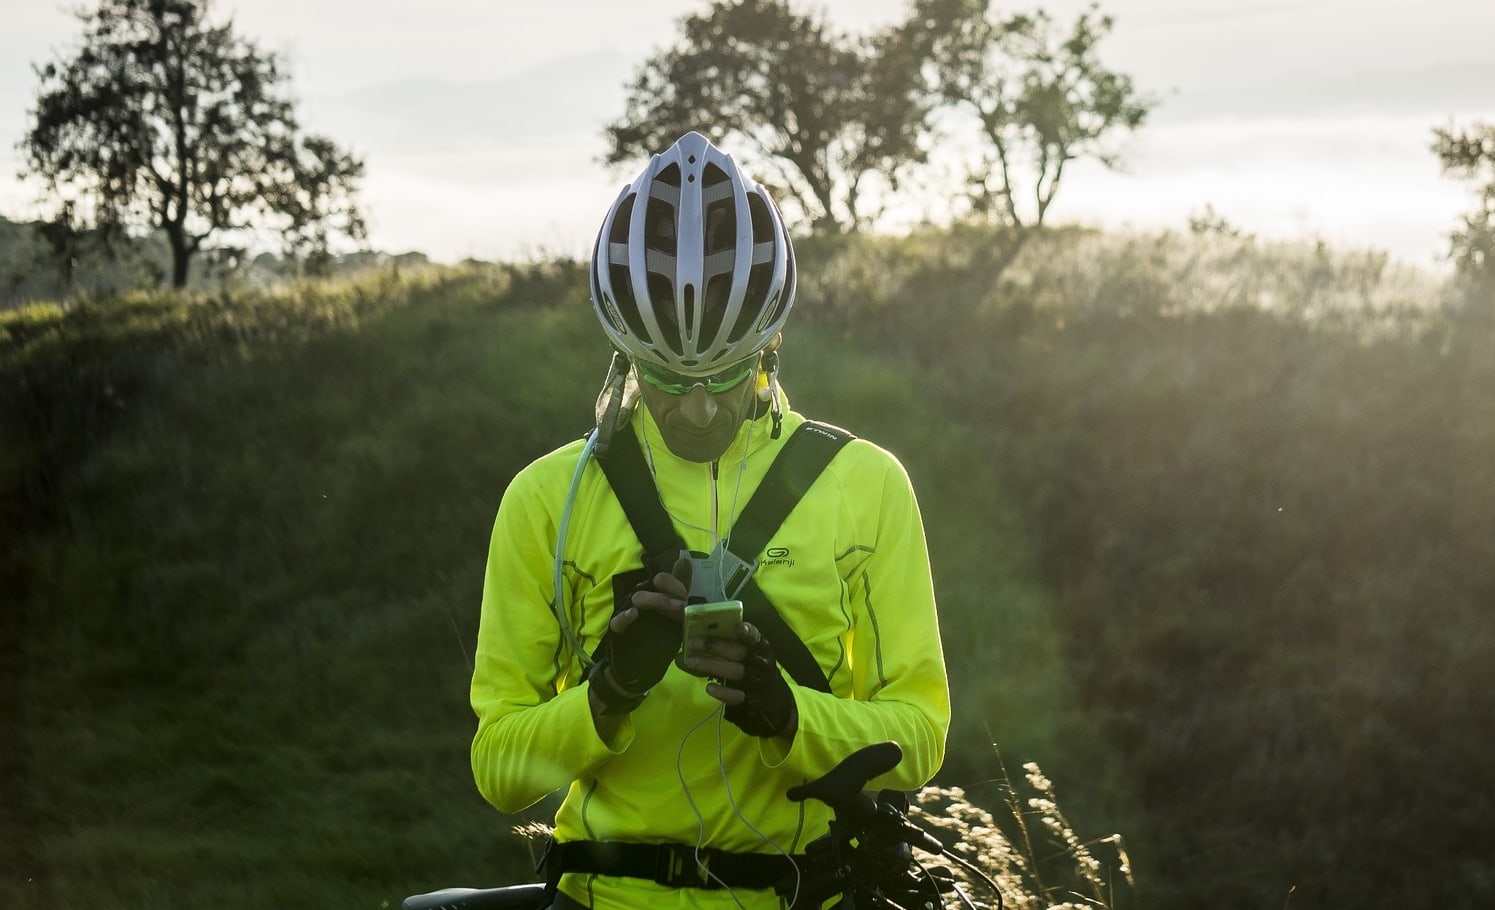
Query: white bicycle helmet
(693, 269)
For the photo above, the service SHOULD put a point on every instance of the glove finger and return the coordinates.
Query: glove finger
(759, 670)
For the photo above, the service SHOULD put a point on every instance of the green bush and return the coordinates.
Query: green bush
(1212, 526)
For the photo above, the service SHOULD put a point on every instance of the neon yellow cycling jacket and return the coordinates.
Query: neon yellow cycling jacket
(848, 570)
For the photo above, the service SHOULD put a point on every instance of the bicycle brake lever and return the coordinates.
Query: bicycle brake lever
(897, 825)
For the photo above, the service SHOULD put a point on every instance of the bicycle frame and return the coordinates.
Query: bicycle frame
(528, 896)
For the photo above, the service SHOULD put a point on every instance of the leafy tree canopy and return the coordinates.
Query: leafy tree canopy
(164, 119)
(1470, 154)
(826, 111)
(1040, 97)
(834, 116)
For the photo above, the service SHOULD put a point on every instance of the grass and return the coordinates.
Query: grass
(1030, 855)
(1212, 525)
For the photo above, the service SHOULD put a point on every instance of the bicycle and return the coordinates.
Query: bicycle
(866, 856)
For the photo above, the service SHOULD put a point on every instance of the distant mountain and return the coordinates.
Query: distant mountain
(1435, 92)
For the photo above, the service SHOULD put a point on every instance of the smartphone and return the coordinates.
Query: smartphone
(712, 620)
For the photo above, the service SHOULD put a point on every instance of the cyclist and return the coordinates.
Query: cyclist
(678, 758)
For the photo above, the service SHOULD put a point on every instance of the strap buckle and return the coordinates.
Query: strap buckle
(675, 866)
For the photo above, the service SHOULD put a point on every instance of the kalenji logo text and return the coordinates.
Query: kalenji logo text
(776, 556)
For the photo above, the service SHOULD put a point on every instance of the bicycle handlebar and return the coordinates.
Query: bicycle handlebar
(851, 776)
(844, 789)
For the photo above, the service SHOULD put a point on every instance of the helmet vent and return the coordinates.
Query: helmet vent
(619, 232)
(623, 293)
(783, 298)
(659, 225)
(714, 305)
(662, 299)
(721, 228)
(763, 229)
(689, 293)
(760, 278)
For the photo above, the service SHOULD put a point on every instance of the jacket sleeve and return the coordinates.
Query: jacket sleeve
(899, 688)
(535, 732)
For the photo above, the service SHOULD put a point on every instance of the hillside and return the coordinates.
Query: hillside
(33, 268)
(1213, 528)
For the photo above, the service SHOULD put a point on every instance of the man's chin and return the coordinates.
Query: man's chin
(698, 447)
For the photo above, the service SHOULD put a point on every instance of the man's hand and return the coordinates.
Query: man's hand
(643, 638)
(746, 679)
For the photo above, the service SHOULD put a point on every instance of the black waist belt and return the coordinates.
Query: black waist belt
(671, 865)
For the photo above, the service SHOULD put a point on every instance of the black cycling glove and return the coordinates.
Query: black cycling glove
(768, 707)
(640, 654)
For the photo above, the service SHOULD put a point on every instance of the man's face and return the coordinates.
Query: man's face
(697, 424)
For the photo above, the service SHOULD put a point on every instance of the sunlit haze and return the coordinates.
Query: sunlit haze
(481, 122)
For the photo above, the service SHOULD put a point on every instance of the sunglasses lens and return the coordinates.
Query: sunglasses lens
(673, 383)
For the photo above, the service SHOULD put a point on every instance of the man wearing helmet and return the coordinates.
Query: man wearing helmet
(677, 784)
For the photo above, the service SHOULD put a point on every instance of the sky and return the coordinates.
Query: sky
(480, 121)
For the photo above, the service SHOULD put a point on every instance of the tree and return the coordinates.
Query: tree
(827, 112)
(1470, 154)
(164, 120)
(1039, 100)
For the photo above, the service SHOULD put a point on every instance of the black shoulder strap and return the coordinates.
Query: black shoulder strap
(628, 475)
(803, 458)
(809, 449)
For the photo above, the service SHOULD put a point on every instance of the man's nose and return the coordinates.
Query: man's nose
(698, 406)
